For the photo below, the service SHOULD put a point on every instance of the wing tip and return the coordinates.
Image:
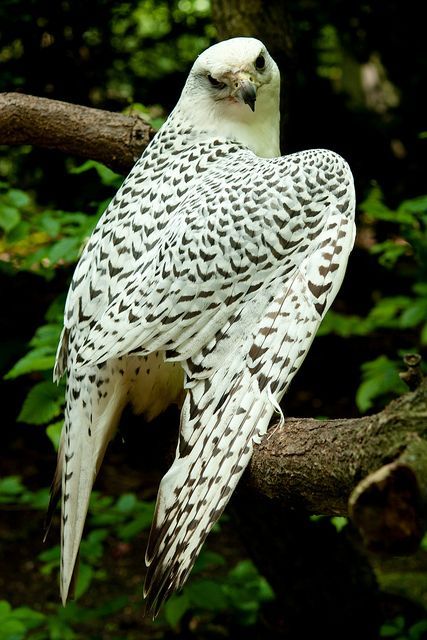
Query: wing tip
(55, 491)
(68, 581)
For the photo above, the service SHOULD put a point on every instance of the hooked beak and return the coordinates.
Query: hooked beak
(245, 89)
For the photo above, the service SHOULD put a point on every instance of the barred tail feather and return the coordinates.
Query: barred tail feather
(90, 422)
(207, 468)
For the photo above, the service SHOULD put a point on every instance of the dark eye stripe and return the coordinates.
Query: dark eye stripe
(215, 83)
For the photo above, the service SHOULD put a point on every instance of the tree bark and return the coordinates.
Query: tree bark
(373, 469)
(271, 23)
(114, 139)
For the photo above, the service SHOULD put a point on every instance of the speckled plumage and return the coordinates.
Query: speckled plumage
(212, 267)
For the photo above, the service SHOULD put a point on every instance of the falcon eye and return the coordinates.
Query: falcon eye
(260, 63)
(216, 83)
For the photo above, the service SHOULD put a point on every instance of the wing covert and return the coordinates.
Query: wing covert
(223, 248)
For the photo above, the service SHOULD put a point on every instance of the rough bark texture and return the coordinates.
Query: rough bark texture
(373, 469)
(270, 22)
(114, 139)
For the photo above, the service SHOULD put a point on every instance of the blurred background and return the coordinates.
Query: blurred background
(352, 81)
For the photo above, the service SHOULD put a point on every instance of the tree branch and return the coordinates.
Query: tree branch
(373, 469)
(114, 139)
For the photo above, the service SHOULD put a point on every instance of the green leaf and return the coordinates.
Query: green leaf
(126, 503)
(12, 629)
(393, 628)
(206, 594)
(5, 608)
(389, 252)
(175, 608)
(380, 377)
(50, 223)
(37, 499)
(42, 404)
(208, 559)
(53, 432)
(35, 360)
(55, 313)
(106, 175)
(418, 630)
(50, 555)
(66, 249)
(30, 617)
(414, 205)
(386, 311)
(9, 217)
(18, 198)
(92, 548)
(19, 232)
(131, 529)
(414, 314)
(243, 570)
(47, 335)
(14, 623)
(339, 522)
(344, 325)
(84, 579)
(10, 488)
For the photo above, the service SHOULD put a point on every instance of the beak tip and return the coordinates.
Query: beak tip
(250, 101)
(247, 94)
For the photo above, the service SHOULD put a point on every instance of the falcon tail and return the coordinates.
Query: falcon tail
(95, 400)
(221, 419)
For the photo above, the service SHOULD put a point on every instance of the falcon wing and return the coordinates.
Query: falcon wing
(225, 414)
(243, 228)
(194, 274)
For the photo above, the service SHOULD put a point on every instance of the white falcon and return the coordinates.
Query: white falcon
(209, 272)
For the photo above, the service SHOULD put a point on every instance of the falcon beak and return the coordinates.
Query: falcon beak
(244, 89)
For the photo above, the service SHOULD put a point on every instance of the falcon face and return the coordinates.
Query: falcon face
(234, 88)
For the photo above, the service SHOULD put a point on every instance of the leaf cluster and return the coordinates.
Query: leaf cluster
(402, 253)
(213, 590)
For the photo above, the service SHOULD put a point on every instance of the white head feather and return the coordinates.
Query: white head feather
(212, 99)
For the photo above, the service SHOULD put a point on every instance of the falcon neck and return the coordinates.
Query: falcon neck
(259, 132)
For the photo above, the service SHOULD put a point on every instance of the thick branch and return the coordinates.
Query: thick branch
(111, 138)
(373, 469)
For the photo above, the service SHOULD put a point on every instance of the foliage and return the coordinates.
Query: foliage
(239, 591)
(111, 54)
(399, 629)
(15, 623)
(56, 624)
(104, 49)
(380, 380)
(43, 241)
(12, 491)
(40, 239)
(404, 249)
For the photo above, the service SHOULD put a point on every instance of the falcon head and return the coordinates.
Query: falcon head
(233, 91)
